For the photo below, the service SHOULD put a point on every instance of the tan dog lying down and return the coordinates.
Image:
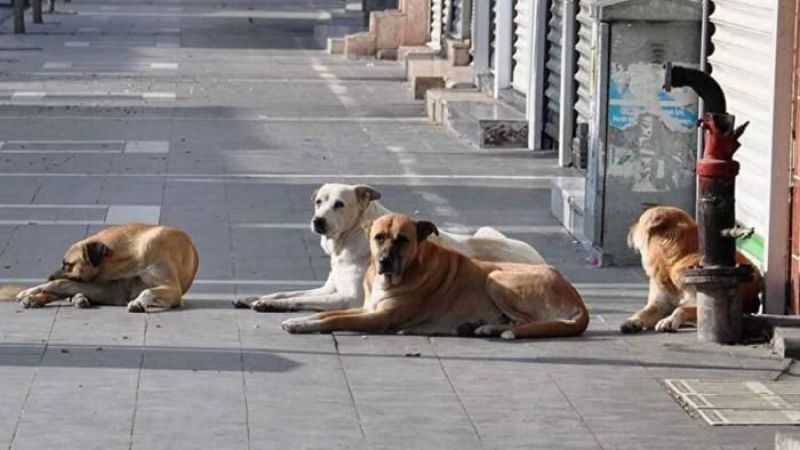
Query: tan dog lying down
(667, 239)
(133, 264)
(416, 286)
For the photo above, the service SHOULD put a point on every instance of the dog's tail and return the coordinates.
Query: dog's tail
(489, 232)
(552, 328)
(9, 293)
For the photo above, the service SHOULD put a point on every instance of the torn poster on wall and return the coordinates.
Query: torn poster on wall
(651, 132)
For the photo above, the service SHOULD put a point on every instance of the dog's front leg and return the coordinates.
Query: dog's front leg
(51, 291)
(659, 304)
(330, 302)
(370, 322)
(342, 294)
(262, 303)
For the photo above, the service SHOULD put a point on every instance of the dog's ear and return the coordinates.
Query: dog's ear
(366, 194)
(425, 229)
(94, 252)
(314, 195)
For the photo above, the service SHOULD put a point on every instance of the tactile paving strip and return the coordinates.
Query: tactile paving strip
(739, 403)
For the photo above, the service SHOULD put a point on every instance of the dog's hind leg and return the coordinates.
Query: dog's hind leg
(489, 232)
(165, 296)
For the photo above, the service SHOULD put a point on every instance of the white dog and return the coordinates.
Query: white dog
(342, 214)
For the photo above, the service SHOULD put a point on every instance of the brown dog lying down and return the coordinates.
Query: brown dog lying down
(416, 286)
(667, 239)
(137, 265)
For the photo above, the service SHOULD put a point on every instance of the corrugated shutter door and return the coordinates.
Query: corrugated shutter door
(741, 62)
(583, 74)
(520, 77)
(492, 33)
(552, 90)
(436, 23)
(456, 24)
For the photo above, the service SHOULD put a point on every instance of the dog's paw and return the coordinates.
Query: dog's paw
(631, 326)
(668, 325)
(28, 293)
(80, 301)
(486, 330)
(26, 302)
(244, 303)
(297, 325)
(508, 335)
(263, 305)
(135, 306)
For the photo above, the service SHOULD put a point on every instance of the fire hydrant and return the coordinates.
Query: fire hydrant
(719, 308)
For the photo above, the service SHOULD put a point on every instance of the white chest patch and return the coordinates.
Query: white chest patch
(377, 294)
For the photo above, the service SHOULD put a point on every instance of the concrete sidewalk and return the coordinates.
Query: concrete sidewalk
(222, 118)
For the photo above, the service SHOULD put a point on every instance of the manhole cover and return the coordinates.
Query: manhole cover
(739, 403)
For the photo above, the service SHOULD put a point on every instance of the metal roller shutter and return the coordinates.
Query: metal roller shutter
(437, 8)
(520, 77)
(492, 33)
(583, 86)
(583, 75)
(742, 64)
(460, 20)
(552, 90)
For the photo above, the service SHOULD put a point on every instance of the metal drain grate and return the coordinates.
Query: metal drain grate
(739, 403)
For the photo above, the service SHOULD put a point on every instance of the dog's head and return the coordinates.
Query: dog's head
(671, 229)
(81, 261)
(394, 240)
(338, 207)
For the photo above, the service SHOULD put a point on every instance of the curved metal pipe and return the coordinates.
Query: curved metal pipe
(702, 83)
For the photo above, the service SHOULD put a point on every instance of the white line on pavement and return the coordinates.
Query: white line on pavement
(147, 147)
(133, 213)
(220, 14)
(260, 118)
(76, 44)
(29, 95)
(200, 282)
(49, 206)
(51, 222)
(164, 65)
(159, 96)
(57, 65)
(281, 176)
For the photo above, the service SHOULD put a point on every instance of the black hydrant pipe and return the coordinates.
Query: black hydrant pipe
(706, 87)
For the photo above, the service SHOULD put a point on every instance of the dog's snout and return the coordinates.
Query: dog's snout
(319, 224)
(57, 275)
(384, 264)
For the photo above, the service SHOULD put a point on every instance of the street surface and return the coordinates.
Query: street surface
(222, 117)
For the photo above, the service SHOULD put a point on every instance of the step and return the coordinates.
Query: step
(340, 24)
(787, 440)
(487, 123)
(436, 101)
(406, 52)
(567, 199)
(786, 341)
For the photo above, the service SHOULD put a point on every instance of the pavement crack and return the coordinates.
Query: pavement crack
(455, 391)
(244, 385)
(575, 410)
(138, 383)
(21, 414)
(348, 385)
